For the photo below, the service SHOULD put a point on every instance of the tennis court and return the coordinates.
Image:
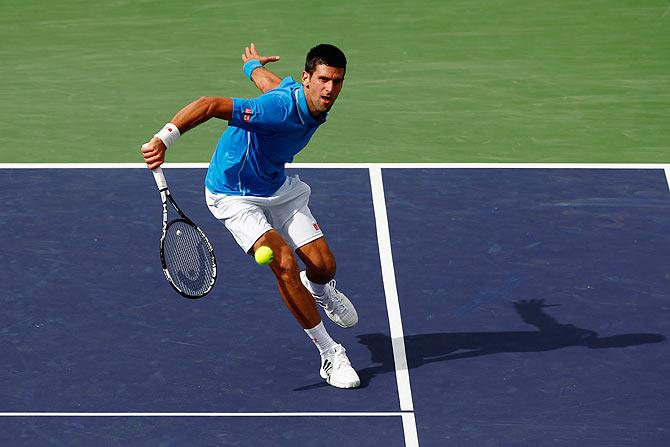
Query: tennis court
(527, 308)
(493, 182)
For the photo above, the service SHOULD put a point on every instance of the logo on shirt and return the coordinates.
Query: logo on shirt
(247, 114)
(316, 226)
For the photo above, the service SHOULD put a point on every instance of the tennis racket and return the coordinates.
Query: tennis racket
(187, 256)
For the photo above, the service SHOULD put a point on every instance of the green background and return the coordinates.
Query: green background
(431, 81)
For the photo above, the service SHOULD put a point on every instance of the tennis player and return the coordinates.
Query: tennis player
(247, 188)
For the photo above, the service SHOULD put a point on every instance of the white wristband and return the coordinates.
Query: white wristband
(168, 134)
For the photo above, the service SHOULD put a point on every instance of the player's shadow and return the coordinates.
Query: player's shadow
(430, 348)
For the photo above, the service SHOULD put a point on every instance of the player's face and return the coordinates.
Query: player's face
(322, 87)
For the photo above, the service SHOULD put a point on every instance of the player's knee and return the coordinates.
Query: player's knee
(322, 270)
(285, 266)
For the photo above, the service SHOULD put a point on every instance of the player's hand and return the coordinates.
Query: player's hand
(251, 53)
(153, 153)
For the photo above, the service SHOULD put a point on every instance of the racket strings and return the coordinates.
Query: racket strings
(188, 259)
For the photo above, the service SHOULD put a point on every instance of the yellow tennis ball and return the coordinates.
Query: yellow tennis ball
(264, 255)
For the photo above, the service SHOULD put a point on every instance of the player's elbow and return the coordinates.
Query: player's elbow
(216, 106)
(269, 85)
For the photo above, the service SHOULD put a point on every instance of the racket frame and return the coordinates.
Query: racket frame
(166, 197)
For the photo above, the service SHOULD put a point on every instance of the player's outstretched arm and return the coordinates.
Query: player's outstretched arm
(263, 78)
(186, 119)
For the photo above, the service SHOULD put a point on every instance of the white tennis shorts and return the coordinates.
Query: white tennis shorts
(249, 217)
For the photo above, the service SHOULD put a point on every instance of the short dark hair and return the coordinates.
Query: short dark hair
(325, 54)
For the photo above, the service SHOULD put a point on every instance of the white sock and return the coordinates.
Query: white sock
(320, 337)
(316, 289)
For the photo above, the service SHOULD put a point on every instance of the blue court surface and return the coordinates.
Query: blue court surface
(534, 310)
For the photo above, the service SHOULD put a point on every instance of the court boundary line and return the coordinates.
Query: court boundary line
(393, 307)
(667, 177)
(203, 414)
(391, 290)
(352, 165)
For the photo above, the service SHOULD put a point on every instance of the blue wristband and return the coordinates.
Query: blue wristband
(250, 66)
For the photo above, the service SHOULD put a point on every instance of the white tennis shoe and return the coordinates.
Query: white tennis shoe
(336, 369)
(335, 303)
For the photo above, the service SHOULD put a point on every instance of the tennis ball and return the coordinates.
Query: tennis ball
(264, 255)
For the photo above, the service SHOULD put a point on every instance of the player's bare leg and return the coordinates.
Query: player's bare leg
(335, 366)
(318, 279)
(293, 292)
(319, 261)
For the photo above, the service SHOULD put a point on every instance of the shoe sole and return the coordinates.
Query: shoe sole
(340, 384)
(344, 386)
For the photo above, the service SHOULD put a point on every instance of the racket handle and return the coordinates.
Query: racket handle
(160, 178)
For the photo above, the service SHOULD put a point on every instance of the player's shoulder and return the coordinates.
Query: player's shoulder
(289, 83)
(282, 95)
(286, 87)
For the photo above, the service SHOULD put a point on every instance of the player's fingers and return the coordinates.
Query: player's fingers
(155, 161)
(247, 52)
(265, 60)
(253, 47)
(146, 148)
(154, 165)
(150, 150)
(149, 156)
(153, 156)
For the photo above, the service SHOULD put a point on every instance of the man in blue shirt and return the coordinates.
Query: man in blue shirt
(248, 190)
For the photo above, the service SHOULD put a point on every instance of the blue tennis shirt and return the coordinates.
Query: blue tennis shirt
(263, 135)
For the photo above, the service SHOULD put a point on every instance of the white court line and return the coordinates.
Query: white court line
(667, 176)
(409, 428)
(393, 307)
(390, 289)
(351, 165)
(479, 165)
(167, 414)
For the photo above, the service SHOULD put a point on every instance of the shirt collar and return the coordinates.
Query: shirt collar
(303, 110)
